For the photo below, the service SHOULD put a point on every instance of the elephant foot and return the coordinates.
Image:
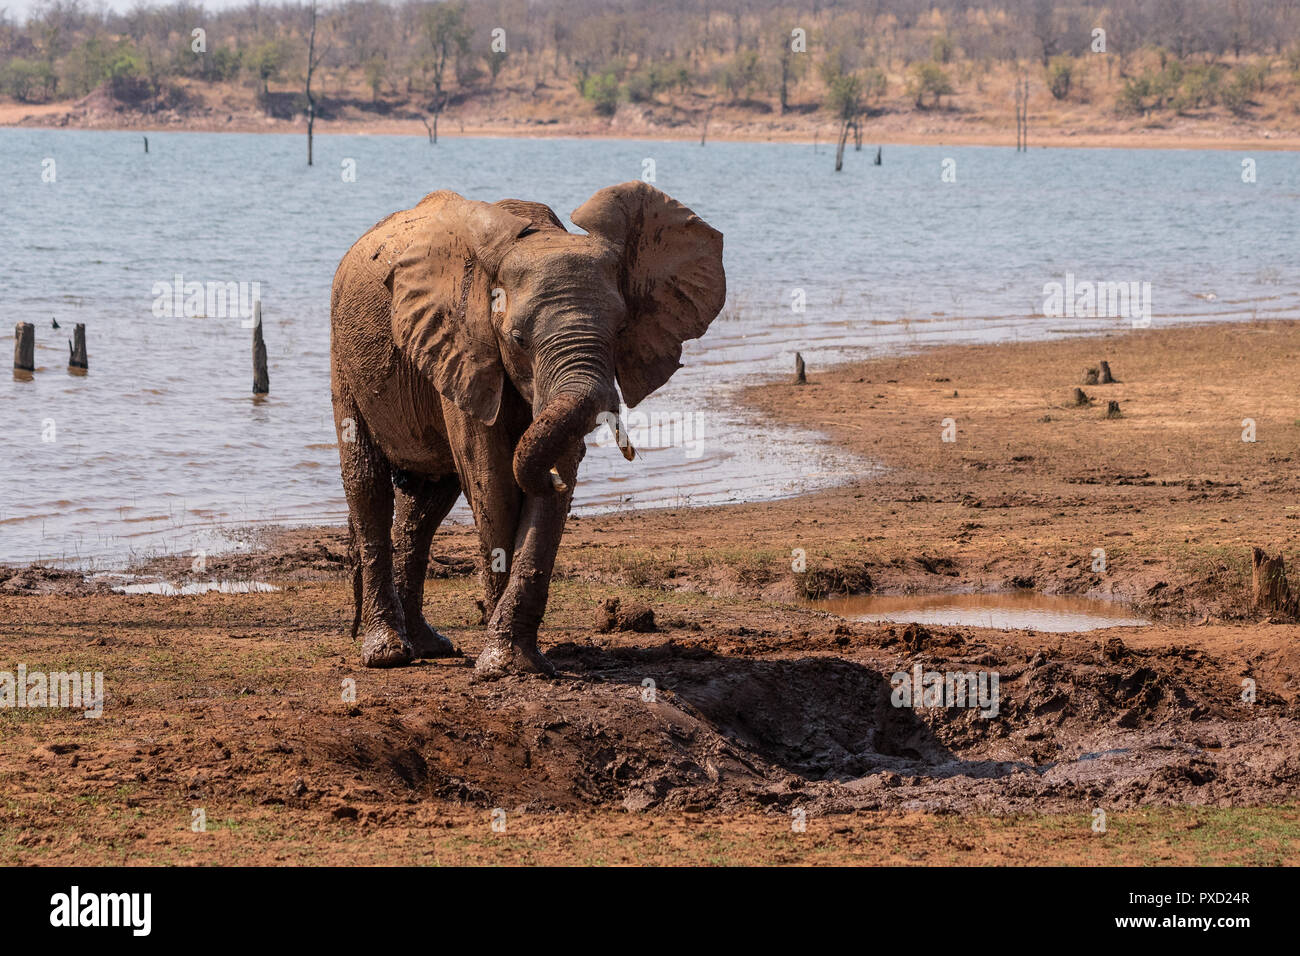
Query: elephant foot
(385, 647)
(426, 642)
(501, 657)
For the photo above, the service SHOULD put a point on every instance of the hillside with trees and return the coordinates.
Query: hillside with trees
(747, 68)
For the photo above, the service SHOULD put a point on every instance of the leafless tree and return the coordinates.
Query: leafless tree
(314, 58)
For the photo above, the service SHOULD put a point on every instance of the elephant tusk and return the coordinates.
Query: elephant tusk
(623, 439)
(557, 482)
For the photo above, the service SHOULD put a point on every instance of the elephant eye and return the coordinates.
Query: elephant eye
(519, 338)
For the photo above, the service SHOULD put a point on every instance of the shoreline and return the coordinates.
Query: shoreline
(248, 541)
(1000, 141)
(1192, 137)
(825, 407)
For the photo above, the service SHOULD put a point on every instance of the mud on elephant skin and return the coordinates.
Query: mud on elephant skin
(472, 347)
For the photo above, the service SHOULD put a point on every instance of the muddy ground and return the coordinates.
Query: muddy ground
(711, 708)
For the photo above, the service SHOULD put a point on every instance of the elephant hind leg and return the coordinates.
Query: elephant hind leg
(421, 505)
(368, 484)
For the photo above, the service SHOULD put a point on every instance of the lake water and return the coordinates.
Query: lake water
(161, 447)
(1006, 610)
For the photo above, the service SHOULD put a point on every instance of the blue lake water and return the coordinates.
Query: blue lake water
(162, 447)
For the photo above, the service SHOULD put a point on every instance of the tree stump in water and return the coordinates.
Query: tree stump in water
(1090, 376)
(77, 347)
(25, 347)
(799, 377)
(1081, 397)
(1272, 593)
(1105, 378)
(261, 380)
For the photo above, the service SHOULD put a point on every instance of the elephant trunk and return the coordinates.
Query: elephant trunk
(547, 443)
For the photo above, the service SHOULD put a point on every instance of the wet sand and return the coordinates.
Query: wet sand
(764, 709)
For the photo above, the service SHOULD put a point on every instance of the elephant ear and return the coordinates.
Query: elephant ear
(441, 284)
(674, 285)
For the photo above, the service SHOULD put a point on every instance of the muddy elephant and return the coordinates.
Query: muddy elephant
(472, 348)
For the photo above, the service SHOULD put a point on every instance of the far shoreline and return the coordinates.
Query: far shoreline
(1050, 139)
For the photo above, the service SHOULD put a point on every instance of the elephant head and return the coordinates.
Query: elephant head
(482, 292)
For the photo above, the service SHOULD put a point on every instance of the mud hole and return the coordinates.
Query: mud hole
(1102, 725)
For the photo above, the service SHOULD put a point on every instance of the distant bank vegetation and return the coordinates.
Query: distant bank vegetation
(847, 57)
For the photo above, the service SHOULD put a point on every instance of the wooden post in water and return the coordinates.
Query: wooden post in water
(799, 377)
(261, 380)
(880, 155)
(24, 347)
(77, 347)
(1022, 114)
(146, 144)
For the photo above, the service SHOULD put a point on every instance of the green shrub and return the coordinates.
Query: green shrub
(603, 92)
(741, 74)
(1236, 95)
(844, 95)
(1201, 86)
(265, 62)
(928, 78)
(638, 88)
(1060, 74)
(1134, 94)
(667, 76)
(224, 64)
(1177, 85)
(28, 81)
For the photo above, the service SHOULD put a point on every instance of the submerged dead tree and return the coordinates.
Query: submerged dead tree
(24, 347)
(844, 101)
(448, 36)
(77, 348)
(261, 378)
(313, 61)
(1022, 114)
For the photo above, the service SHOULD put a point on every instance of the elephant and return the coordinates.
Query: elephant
(473, 345)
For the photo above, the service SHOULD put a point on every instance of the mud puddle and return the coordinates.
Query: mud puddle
(1079, 727)
(1007, 610)
(167, 589)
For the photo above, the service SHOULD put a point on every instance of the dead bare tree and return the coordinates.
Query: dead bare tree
(1022, 114)
(448, 37)
(313, 61)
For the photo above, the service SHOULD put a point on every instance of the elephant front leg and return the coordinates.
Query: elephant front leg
(512, 629)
